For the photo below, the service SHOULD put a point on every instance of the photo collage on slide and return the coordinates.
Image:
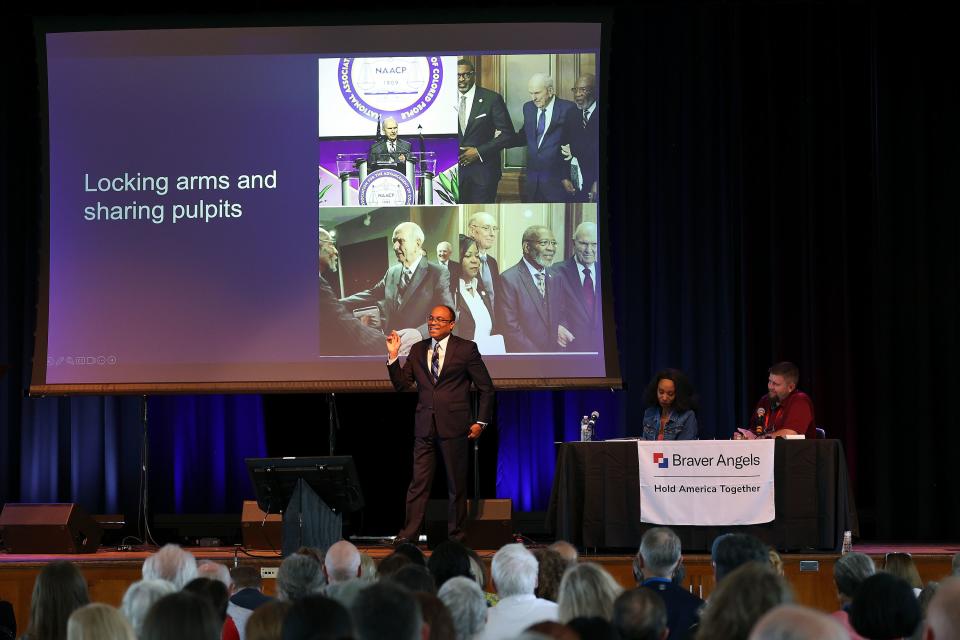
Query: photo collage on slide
(471, 181)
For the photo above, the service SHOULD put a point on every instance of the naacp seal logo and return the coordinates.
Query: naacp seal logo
(386, 187)
(381, 88)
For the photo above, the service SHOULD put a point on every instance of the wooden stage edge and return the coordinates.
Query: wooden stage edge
(109, 572)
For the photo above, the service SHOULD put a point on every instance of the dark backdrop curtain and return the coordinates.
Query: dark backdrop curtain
(782, 185)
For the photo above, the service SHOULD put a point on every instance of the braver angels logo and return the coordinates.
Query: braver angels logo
(661, 460)
(380, 88)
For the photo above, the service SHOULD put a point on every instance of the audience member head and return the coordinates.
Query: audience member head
(342, 562)
(436, 616)
(776, 562)
(902, 566)
(8, 621)
(316, 553)
(553, 629)
(138, 599)
(317, 616)
(98, 622)
(566, 550)
(943, 615)
(413, 552)
(57, 592)
(926, 595)
(514, 571)
(393, 563)
(467, 606)
(734, 549)
(171, 563)
(955, 564)
(415, 578)
(397, 613)
(449, 560)
(849, 571)
(740, 600)
(214, 592)
(478, 569)
(266, 621)
(368, 567)
(245, 578)
(884, 607)
(181, 616)
(299, 575)
(793, 622)
(640, 614)
(550, 569)
(659, 554)
(671, 390)
(215, 571)
(587, 590)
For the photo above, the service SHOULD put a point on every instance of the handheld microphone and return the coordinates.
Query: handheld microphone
(761, 412)
(593, 418)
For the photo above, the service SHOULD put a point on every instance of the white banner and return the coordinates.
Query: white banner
(706, 482)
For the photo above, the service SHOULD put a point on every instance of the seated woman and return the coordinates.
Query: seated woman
(671, 407)
(474, 312)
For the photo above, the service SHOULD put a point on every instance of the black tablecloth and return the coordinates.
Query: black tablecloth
(595, 501)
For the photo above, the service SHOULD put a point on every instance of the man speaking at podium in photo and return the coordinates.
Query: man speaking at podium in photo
(392, 151)
(441, 369)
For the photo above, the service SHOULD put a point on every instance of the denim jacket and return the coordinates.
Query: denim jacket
(678, 427)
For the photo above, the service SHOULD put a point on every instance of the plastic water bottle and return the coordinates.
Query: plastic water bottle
(586, 433)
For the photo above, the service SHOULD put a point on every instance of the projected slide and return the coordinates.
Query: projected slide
(254, 208)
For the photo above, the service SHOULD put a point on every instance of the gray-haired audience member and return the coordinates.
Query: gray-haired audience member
(566, 550)
(181, 616)
(587, 590)
(171, 563)
(468, 608)
(385, 611)
(731, 550)
(654, 568)
(740, 600)
(793, 622)
(849, 571)
(943, 616)
(138, 599)
(215, 571)
(640, 614)
(515, 570)
(299, 575)
(885, 607)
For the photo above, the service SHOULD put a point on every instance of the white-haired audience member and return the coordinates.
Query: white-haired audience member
(467, 606)
(586, 591)
(943, 616)
(171, 563)
(215, 571)
(849, 571)
(653, 568)
(98, 622)
(138, 599)
(566, 550)
(245, 597)
(299, 575)
(793, 622)
(515, 578)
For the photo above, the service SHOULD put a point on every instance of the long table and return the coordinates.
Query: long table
(595, 501)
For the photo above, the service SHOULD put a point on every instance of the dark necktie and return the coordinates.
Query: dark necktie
(541, 287)
(404, 283)
(541, 125)
(589, 295)
(586, 118)
(393, 147)
(463, 113)
(435, 362)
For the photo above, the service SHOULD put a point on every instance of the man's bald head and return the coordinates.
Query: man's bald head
(342, 562)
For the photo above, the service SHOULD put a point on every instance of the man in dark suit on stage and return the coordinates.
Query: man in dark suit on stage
(441, 369)
(393, 146)
(548, 124)
(585, 144)
(530, 298)
(485, 131)
(580, 274)
(340, 332)
(409, 289)
(653, 568)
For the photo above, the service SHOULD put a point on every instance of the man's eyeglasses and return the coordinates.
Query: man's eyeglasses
(468, 74)
(438, 320)
(486, 227)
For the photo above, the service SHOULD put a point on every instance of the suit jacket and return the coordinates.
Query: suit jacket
(487, 115)
(683, 608)
(545, 164)
(582, 321)
(447, 401)
(585, 146)
(340, 332)
(380, 148)
(529, 321)
(429, 286)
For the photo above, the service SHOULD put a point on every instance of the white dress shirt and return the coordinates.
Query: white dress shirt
(513, 614)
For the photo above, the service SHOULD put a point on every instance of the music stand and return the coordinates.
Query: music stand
(311, 493)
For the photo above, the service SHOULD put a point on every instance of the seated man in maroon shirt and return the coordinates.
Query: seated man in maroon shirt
(785, 410)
